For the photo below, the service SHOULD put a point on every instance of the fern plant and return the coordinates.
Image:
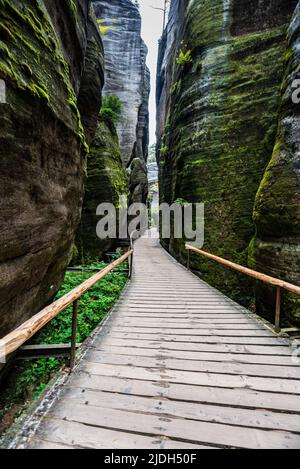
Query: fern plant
(184, 58)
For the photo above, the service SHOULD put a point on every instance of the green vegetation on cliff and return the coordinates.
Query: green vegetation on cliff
(111, 110)
(51, 62)
(106, 183)
(33, 60)
(276, 245)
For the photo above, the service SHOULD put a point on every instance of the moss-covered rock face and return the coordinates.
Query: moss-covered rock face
(106, 183)
(249, 16)
(276, 247)
(138, 181)
(218, 117)
(42, 149)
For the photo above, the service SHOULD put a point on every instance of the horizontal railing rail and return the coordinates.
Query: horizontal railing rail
(15, 339)
(279, 284)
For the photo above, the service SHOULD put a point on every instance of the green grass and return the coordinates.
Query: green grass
(29, 378)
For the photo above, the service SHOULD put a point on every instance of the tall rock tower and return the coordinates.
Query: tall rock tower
(127, 77)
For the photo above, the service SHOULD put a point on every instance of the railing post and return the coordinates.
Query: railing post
(74, 333)
(189, 260)
(278, 309)
(130, 266)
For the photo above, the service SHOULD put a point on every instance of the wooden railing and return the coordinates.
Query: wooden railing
(14, 340)
(279, 284)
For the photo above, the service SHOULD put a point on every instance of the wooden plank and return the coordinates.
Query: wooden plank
(195, 298)
(228, 348)
(227, 313)
(187, 319)
(202, 433)
(181, 299)
(173, 306)
(173, 314)
(84, 436)
(36, 443)
(203, 412)
(33, 352)
(205, 339)
(248, 326)
(199, 378)
(179, 308)
(191, 330)
(178, 290)
(292, 372)
(172, 285)
(173, 291)
(203, 309)
(138, 293)
(225, 317)
(190, 282)
(190, 325)
(233, 398)
(165, 299)
(196, 355)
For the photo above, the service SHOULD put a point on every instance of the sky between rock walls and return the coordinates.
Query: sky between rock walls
(152, 24)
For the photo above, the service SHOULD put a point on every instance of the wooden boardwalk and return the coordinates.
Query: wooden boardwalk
(176, 365)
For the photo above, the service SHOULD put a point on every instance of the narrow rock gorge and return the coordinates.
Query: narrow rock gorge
(227, 133)
(106, 183)
(60, 156)
(228, 136)
(128, 78)
(105, 332)
(117, 161)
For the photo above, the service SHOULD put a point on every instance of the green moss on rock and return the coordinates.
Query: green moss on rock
(106, 183)
(276, 247)
(42, 149)
(27, 37)
(223, 124)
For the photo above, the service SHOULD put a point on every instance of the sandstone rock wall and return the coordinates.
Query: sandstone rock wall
(276, 246)
(106, 183)
(217, 125)
(117, 161)
(153, 198)
(46, 59)
(127, 77)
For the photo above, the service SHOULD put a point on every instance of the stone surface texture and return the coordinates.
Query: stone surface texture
(46, 59)
(127, 77)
